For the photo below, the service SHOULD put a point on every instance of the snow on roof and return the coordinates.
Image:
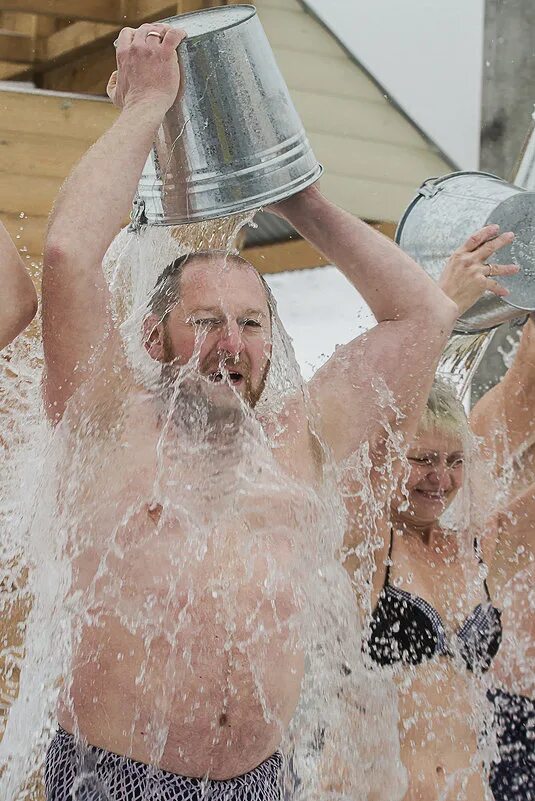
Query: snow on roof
(320, 310)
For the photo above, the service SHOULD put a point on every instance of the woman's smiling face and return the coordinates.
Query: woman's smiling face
(436, 461)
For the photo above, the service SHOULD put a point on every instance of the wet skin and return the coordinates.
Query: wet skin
(175, 546)
(438, 739)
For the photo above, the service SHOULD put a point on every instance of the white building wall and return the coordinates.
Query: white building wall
(428, 54)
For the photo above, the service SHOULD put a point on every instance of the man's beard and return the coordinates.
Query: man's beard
(250, 395)
(203, 408)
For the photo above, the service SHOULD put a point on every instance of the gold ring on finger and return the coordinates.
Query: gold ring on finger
(154, 33)
(490, 271)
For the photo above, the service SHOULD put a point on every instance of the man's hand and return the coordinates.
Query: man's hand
(467, 274)
(147, 67)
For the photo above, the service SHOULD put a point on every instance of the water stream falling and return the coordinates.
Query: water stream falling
(236, 582)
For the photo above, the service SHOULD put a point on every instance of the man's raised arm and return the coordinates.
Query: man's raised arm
(18, 299)
(414, 320)
(92, 205)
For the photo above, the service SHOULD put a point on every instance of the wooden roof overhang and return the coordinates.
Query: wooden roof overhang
(60, 44)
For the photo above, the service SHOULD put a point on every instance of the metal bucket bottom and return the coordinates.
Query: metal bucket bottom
(273, 175)
(447, 210)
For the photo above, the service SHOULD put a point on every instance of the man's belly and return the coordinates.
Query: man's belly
(201, 686)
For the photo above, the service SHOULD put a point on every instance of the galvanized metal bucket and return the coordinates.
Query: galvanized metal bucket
(447, 210)
(233, 140)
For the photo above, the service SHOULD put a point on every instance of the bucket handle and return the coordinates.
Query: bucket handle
(138, 218)
(430, 188)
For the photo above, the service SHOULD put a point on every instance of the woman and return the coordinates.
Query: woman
(18, 299)
(504, 419)
(432, 621)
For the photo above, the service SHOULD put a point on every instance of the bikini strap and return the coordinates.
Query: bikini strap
(389, 558)
(477, 549)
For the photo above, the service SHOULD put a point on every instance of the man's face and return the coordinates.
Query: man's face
(222, 315)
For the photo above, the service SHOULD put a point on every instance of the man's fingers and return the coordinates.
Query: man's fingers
(173, 37)
(125, 38)
(112, 85)
(140, 36)
(487, 249)
(477, 239)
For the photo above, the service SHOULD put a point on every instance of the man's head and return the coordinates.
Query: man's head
(216, 307)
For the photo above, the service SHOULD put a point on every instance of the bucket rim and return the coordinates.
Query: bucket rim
(217, 213)
(438, 180)
(215, 10)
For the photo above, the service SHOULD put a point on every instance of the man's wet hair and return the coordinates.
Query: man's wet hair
(166, 292)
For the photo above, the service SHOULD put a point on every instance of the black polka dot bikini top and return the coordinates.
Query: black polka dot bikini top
(406, 628)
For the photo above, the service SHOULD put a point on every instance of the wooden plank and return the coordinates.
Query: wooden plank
(75, 40)
(296, 254)
(284, 5)
(110, 11)
(358, 119)
(21, 23)
(16, 47)
(299, 32)
(48, 114)
(33, 197)
(33, 154)
(87, 74)
(378, 161)
(9, 70)
(324, 74)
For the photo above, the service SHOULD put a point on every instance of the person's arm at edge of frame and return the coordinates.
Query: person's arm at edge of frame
(507, 410)
(18, 299)
(92, 205)
(414, 320)
(512, 532)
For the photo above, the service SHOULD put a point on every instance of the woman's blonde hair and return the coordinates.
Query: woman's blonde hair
(445, 411)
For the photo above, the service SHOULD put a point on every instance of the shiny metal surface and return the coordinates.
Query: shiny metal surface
(447, 210)
(233, 140)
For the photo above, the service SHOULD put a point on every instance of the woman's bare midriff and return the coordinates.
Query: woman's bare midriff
(438, 744)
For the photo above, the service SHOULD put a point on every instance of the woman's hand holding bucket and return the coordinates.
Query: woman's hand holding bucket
(468, 274)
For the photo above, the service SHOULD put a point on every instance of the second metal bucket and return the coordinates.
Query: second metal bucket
(447, 210)
(233, 141)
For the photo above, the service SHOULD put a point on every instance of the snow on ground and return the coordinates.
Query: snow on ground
(320, 310)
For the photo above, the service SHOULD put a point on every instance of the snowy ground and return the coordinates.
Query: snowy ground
(319, 309)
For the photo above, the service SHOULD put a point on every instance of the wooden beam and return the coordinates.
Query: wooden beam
(108, 11)
(16, 47)
(55, 115)
(79, 39)
(73, 41)
(295, 254)
(9, 70)
(87, 74)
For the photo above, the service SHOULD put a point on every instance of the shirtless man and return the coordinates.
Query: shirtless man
(18, 299)
(189, 574)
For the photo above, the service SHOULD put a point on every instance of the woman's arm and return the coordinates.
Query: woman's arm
(18, 298)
